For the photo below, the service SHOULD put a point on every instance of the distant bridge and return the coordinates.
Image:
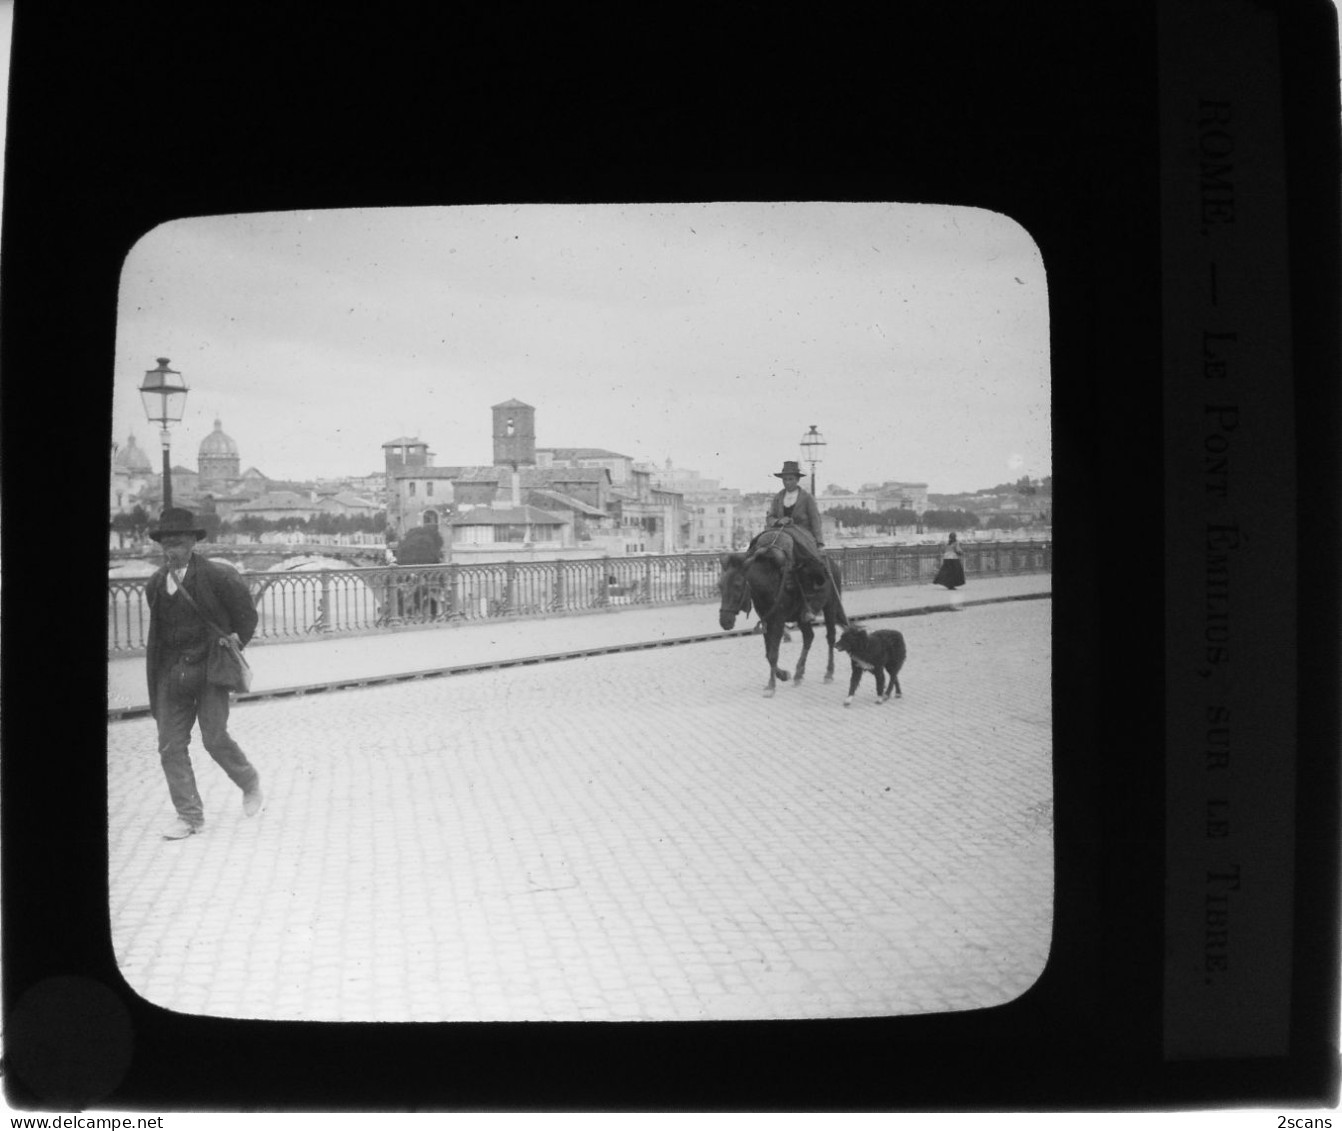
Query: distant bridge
(256, 557)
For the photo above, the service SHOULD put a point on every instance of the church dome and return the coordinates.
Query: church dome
(131, 458)
(217, 443)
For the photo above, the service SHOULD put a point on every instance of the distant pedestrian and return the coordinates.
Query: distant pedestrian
(186, 592)
(952, 571)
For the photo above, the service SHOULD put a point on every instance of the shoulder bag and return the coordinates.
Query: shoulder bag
(225, 665)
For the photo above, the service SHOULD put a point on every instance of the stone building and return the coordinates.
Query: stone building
(217, 462)
(132, 474)
(576, 497)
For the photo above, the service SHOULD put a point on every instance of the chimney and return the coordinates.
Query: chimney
(517, 488)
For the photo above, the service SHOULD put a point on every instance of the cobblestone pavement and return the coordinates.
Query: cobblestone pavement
(634, 836)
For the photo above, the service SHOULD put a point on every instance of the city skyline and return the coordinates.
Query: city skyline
(187, 461)
(707, 334)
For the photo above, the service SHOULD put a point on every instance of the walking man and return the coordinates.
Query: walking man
(179, 640)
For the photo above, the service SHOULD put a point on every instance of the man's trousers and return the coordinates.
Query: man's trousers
(183, 698)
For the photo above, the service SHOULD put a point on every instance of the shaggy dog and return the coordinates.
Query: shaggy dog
(880, 651)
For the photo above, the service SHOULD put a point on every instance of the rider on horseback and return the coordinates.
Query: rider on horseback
(795, 510)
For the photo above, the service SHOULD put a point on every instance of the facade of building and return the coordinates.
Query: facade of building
(132, 475)
(649, 519)
(621, 467)
(520, 526)
(277, 505)
(217, 462)
(576, 493)
(895, 494)
(688, 483)
(715, 521)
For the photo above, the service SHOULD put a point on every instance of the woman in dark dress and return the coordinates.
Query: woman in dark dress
(952, 572)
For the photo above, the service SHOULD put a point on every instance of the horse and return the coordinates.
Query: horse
(761, 578)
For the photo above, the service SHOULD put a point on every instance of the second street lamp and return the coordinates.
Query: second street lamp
(163, 392)
(812, 449)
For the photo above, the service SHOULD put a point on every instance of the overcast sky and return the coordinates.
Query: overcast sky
(915, 337)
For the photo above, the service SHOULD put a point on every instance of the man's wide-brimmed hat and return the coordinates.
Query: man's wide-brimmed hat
(176, 520)
(789, 468)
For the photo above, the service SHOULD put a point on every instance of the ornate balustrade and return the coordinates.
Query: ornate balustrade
(308, 604)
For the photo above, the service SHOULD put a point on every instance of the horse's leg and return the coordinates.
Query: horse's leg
(772, 636)
(807, 635)
(829, 639)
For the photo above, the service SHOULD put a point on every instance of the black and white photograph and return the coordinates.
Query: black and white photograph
(624, 437)
(671, 562)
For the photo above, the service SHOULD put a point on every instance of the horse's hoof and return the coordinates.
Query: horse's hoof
(768, 693)
(847, 702)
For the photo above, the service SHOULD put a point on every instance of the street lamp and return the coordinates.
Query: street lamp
(811, 445)
(164, 394)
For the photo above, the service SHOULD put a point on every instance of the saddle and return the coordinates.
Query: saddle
(805, 566)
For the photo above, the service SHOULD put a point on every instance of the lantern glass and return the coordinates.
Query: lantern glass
(164, 394)
(811, 445)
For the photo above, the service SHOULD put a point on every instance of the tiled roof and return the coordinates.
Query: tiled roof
(426, 473)
(532, 475)
(349, 499)
(569, 501)
(476, 474)
(279, 500)
(506, 516)
(583, 453)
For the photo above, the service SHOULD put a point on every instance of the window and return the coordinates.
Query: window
(428, 488)
(412, 487)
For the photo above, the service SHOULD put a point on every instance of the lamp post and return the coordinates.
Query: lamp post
(164, 394)
(811, 445)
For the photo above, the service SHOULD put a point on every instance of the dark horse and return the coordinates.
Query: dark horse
(761, 578)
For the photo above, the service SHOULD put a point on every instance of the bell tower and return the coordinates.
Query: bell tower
(514, 434)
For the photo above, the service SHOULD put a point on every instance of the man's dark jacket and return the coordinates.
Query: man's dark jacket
(222, 596)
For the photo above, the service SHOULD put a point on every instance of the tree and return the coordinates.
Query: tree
(897, 516)
(139, 522)
(121, 527)
(950, 520)
(851, 516)
(422, 545)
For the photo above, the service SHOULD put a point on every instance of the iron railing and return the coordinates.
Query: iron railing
(306, 604)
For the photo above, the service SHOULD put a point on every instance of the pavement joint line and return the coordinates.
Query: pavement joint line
(116, 714)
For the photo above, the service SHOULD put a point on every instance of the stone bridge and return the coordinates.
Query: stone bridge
(256, 557)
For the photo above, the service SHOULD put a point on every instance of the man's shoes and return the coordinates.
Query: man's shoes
(252, 801)
(180, 830)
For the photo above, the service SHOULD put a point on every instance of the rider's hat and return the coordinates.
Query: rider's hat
(789, 468)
